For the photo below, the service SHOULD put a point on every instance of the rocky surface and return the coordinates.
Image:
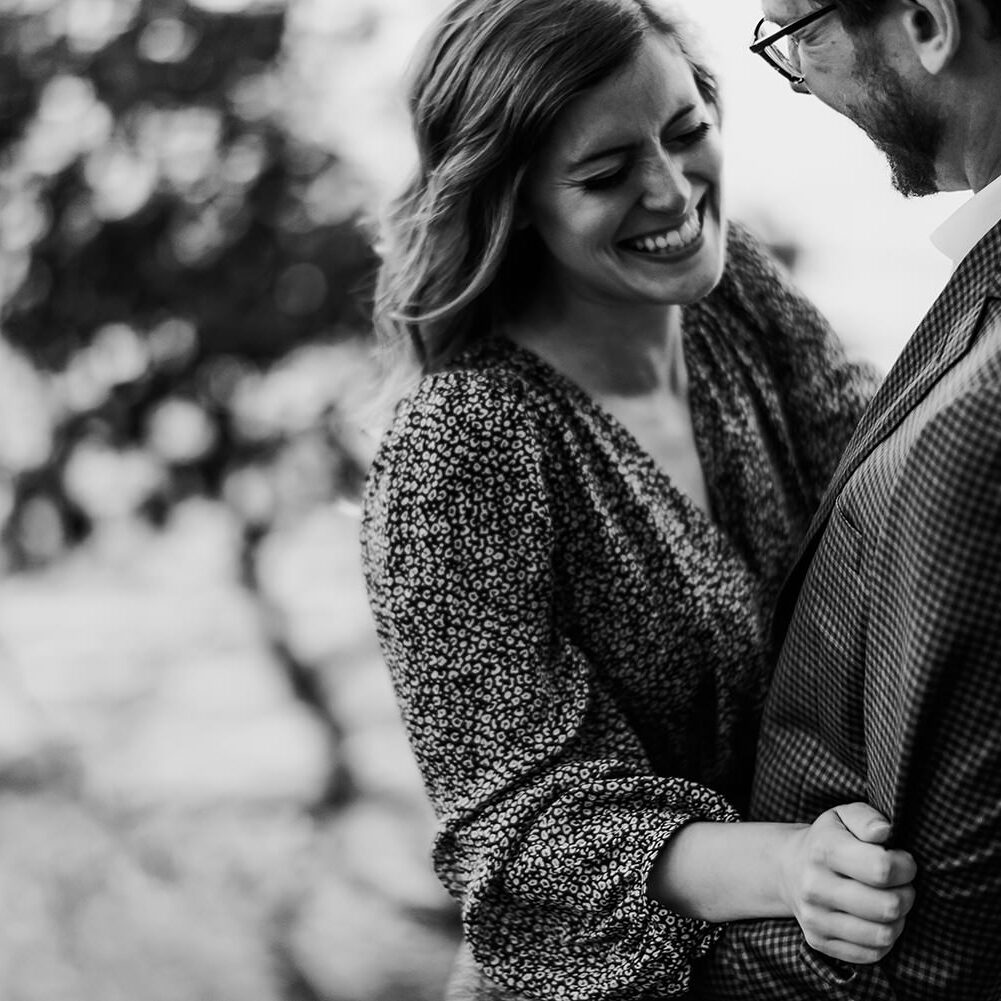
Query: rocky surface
(163, 829)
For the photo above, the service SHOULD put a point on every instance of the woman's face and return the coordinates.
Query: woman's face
(626, 193)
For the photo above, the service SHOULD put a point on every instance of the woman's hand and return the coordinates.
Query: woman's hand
(848, 893)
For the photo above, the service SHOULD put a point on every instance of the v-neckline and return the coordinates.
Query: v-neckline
(584, 401)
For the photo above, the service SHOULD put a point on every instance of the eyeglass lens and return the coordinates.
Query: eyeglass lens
(782, 50)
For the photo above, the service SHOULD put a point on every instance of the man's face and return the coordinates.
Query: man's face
(904, 128)
(858, 76)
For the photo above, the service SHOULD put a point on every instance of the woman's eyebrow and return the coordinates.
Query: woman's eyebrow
(607, 151)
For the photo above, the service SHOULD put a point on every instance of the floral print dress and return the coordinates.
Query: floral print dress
(579, 652)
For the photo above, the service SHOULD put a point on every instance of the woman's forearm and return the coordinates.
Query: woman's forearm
(725, 872)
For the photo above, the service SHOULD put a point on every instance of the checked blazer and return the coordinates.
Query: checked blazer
(888, 683)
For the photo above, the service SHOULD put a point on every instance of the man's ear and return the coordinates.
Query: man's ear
(934, 30)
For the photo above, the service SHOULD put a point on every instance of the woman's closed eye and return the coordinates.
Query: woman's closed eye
(614, 177)
(608, 179)
(692, 136)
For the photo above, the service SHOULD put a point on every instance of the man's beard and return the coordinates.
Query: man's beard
(908, 134)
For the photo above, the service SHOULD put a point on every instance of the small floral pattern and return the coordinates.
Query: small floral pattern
(579, 652)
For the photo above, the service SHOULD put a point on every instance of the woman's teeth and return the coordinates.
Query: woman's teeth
(669, 240)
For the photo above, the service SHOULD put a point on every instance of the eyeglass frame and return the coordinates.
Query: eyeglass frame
(760, 46)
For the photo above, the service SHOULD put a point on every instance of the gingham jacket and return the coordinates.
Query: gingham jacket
(888, 684)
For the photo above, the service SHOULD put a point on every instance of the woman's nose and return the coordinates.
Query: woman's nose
(665, 188)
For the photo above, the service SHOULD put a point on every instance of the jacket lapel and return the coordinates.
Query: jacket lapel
(943, 337)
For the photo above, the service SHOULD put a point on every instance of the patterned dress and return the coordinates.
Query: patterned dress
(578, 651)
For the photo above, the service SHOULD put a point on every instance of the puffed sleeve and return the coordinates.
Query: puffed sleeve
(822, 392)
(550, 815)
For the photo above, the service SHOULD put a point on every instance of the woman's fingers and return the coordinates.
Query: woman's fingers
(862, 934)
(849, 952)
(871, 864)
(851, 843)
(852, 937)
(882, 906)
(850, 912)
(864, 822)
(837, 894)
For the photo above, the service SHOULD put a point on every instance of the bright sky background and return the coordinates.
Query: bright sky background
(794, 166)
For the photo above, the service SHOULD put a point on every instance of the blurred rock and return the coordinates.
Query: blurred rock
(352, 945)
(150, 661)
(183, 749)
(25, 408)
(256, 856)
(85, 920)
(382, 765)
(311, 569)
(389, 849)
(32, 756)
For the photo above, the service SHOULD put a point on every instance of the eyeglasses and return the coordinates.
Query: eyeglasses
(776, 45)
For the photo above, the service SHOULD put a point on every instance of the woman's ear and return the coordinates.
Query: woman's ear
(934, 30)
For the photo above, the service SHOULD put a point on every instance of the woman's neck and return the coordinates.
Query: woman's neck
(609, 351)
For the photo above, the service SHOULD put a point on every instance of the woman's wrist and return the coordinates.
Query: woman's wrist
(785, 849)
(728, 872)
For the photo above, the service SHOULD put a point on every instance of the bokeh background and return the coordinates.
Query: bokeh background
(204, 788)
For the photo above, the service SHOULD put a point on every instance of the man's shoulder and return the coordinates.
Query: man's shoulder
(960, 446)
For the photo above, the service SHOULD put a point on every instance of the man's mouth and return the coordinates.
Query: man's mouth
(667, 242)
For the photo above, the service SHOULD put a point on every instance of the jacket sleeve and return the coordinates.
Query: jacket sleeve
(933, 698)
(823, 393)
(550, 815)
(933, 744)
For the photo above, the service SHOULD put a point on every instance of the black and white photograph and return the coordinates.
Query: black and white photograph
(500, 500)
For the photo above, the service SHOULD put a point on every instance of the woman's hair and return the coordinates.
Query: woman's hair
(488, 87)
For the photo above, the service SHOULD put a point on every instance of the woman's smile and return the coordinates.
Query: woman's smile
(670, 243)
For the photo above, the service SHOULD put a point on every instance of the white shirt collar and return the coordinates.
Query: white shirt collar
(963, 230)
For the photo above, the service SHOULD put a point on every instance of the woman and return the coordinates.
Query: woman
(580, 515)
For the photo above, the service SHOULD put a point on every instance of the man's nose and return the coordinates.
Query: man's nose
(665, 188)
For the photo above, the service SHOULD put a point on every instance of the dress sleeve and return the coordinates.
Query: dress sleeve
(550, 814)
(823, 393)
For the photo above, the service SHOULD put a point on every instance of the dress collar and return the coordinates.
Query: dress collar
(964, 229)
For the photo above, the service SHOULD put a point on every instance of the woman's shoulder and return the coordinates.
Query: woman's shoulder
(480, 404)
(467, 437)
(480, 387)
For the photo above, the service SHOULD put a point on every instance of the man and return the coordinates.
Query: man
(888, 685)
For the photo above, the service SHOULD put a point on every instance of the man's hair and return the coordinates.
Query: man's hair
(862, 13)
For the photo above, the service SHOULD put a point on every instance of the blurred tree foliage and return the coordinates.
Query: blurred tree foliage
(181, 277)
